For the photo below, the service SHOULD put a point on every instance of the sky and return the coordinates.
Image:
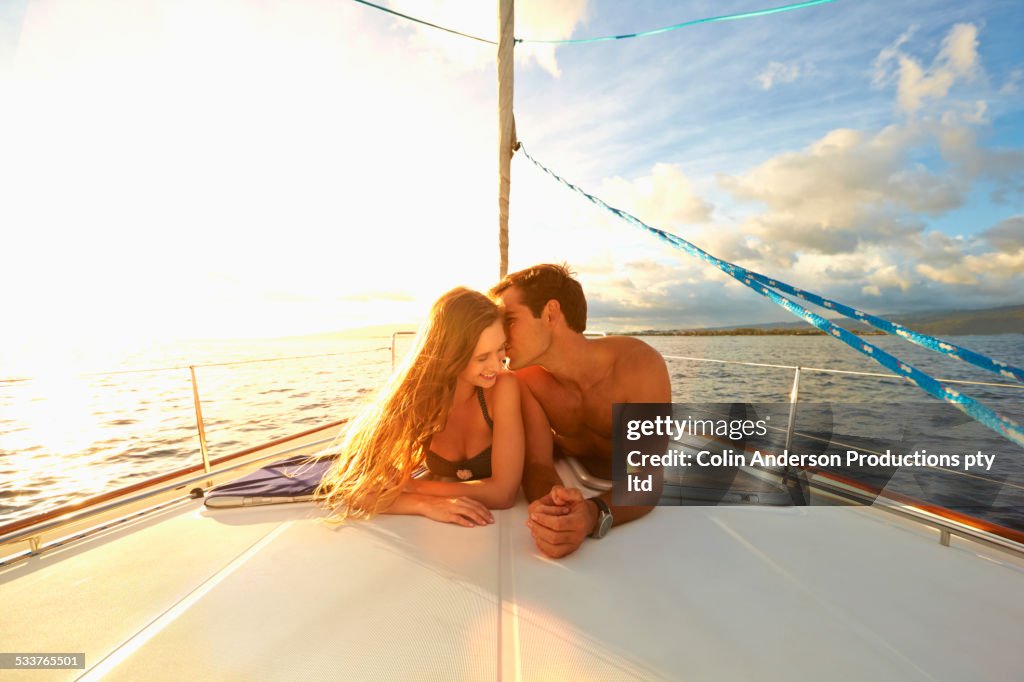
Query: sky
(255, 168)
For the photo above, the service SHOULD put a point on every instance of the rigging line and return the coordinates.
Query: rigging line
(665, 29)
(442, 28)
(923, 340)
(983, 414)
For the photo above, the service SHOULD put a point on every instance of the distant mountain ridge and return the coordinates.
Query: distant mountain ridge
(1001, 320)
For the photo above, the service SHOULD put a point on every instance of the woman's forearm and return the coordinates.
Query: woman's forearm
(486, 491)
(407, 503)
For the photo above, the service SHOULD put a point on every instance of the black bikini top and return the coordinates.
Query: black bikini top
(466, 469)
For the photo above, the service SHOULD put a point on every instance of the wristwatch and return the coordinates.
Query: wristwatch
(604, 518)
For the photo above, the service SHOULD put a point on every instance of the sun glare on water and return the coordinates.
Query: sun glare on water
(55, 431)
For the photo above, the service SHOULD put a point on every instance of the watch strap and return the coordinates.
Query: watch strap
(603, 512)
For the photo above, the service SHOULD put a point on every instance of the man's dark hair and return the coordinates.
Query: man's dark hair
(542, 283)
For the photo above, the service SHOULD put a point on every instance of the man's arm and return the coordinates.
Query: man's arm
(644, 380)
(539, 475)
(561, 521)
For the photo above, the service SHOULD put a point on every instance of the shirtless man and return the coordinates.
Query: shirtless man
(568, 384)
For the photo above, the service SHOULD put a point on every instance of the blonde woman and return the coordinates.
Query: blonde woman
(451, 406)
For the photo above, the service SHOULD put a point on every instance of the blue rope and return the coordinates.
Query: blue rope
(983, 414)
(923, 340)
(665, 29)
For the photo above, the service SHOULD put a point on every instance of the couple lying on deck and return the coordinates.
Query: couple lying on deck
(483, 430)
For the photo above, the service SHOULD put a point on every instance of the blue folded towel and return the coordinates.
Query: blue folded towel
(289, 480)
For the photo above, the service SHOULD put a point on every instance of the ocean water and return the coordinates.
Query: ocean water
(64, 437)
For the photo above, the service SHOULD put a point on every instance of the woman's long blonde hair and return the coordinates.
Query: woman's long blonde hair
(387, 440)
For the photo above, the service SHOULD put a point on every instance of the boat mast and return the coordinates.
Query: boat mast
(506, 124)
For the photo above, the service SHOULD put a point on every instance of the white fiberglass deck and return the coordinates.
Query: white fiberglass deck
(701, 593)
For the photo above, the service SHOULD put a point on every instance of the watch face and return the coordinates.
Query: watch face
(605, 525)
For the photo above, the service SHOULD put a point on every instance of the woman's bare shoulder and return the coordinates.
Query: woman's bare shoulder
(506, 383)
(505, 390)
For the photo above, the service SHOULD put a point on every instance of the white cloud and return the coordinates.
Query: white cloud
(883, 73)
(872, 268)
(890, 276)
(998, 265)
(971, 269)
(974, 113)
(778, 72)
(1013, 81)
(959, 274)
(871, 290)
(852, 188)
(542, 20)
(664, 198)
(1006, 235)
(960, 49)
(957, 59)
(729, 245)
(847, 188)
(851, 208)
(959, 146)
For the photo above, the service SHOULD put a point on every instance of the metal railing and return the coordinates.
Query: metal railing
(394, 337)
(883, 375)
(31, 529)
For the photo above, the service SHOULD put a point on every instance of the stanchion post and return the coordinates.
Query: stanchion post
(199, 420)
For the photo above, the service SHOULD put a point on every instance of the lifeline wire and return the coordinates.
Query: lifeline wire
(664, 29)
(425, 23)
(981, 413)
